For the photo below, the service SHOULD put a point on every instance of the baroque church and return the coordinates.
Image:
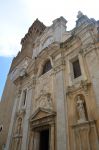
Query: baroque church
(51, 96)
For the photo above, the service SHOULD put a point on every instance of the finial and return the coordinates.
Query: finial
(80, 14)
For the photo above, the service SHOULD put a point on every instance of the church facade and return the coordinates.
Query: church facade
(56, 95)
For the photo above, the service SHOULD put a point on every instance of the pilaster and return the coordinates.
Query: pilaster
(92, 62)
(61, 120)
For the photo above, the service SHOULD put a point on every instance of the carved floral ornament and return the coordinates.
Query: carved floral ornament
(44, 100)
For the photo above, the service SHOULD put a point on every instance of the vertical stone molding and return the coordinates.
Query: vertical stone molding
(52, 142)
(93, 66)
(31, 141)
(36, 141)
(26, 118)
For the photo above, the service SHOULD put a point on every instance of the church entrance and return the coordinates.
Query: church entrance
(42, 130)
(44, 140)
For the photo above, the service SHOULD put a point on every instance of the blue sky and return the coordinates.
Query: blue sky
(4, 68)
(16, 16)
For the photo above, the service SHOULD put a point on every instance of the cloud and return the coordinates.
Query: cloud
(8, 50)
(12, 27)
(9, 45)
(17, 16)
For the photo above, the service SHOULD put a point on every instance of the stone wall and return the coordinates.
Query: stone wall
(6, 106)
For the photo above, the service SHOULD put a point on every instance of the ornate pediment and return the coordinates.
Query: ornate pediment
(41, 113)
(42, 117)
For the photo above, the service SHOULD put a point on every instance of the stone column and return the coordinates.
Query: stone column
(26, 119)
(9, 138)
(61, 121)
(52, 142)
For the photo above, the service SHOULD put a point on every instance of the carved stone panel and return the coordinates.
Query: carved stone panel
(44, 82)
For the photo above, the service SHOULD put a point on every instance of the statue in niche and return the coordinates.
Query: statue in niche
(81, 109)
(19, 126)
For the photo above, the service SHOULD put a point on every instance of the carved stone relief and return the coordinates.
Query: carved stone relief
(18, 129)
(44, 100)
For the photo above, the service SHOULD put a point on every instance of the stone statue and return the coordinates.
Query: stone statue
(81, 109)
(19, 126)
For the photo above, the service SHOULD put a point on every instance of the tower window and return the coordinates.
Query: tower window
(24, 97)
(47, 67)
(76, 68)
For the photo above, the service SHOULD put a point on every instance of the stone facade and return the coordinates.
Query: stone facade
(56, 76)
